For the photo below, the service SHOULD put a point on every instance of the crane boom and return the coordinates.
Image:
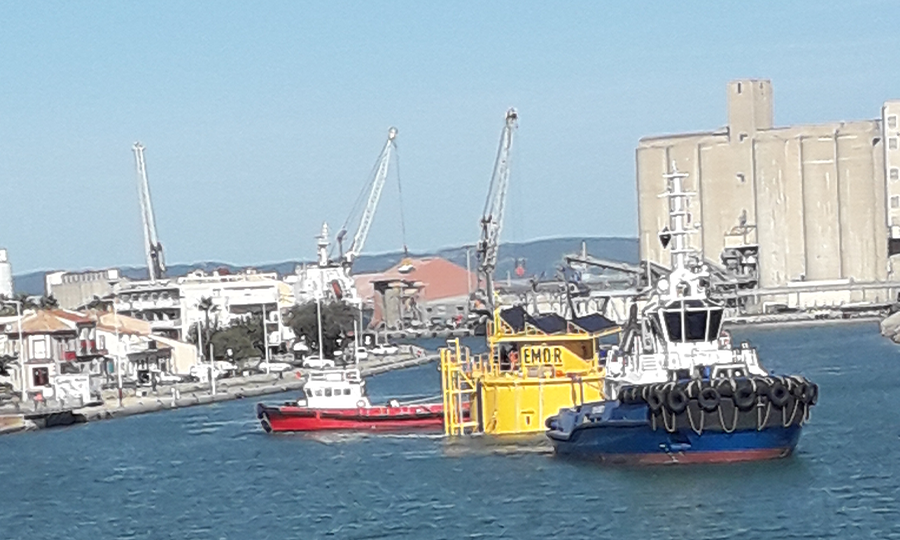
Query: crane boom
(492, 217)
(365, 223)
(153, 249)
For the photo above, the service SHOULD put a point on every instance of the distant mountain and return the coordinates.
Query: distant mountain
(538, 257)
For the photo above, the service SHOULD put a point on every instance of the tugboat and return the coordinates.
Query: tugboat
(676, 391)
(336, 400)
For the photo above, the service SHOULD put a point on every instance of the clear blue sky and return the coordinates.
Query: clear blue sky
(261, 120)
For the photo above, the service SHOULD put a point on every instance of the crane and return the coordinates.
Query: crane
(365, 222)
(492, 218)
(152, 247)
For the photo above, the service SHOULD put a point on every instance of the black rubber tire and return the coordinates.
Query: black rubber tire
(724, 388)
(676, 400)
(655, 399)
(744, 397)
(778, 394)
(709, 399)
(810, 393)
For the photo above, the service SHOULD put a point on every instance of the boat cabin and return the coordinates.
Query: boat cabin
(334, 389)
(684, 321)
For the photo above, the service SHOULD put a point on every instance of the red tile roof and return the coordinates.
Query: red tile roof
(438, 277)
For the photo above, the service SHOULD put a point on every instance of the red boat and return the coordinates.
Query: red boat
(336, 399)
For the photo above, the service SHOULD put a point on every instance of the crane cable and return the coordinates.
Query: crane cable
(400, 194)
(358, 205)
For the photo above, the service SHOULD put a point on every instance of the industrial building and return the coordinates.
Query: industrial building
(807, 215)
(6, 279)
(74, 290)
(428, 291)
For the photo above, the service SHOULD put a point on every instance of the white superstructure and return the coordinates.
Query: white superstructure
(335, 389)
(679, 333)
(326, 280)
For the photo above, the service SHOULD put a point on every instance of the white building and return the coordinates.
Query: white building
(172, 306)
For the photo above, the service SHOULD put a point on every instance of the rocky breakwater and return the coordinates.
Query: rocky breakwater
(890, 327)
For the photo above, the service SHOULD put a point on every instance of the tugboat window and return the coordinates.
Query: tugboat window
(673, 324)
(715, 324)
(696, 325)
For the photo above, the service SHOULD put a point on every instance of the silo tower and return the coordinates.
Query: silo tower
(6, 280)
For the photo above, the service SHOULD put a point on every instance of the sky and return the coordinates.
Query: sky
(262, 120)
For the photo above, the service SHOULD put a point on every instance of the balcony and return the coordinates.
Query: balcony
(87, 348)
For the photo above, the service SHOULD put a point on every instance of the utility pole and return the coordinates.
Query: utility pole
(23, 394)
(118, 353)
(265, 336)
(212, 370)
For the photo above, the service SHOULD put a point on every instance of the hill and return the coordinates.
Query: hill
(538, 256)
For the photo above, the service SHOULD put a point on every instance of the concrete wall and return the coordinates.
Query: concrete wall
(814, 197)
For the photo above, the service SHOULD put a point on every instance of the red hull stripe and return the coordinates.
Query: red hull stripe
(727, 456)
(279, 419)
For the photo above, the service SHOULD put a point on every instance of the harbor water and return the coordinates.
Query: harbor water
(211, 473)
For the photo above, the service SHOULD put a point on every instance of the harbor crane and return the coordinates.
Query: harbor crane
(153, 249)
(492, 217)
(368, 213)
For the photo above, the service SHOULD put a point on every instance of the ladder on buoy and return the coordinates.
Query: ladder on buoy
(458, 390)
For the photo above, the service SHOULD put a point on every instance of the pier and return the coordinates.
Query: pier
(183, 395)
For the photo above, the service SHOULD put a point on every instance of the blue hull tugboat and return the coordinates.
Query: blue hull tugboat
(676, 390)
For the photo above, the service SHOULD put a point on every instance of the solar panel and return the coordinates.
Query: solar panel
(593, 323)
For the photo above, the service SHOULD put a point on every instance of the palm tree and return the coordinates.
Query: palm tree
(206, 305)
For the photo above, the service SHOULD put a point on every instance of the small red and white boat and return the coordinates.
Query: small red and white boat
(336, 399)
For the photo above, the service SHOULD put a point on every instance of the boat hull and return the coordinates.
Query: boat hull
(643, 445)
(275, 419)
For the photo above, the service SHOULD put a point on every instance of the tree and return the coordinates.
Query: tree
(337, 323)
(244, 337)
(48, 302)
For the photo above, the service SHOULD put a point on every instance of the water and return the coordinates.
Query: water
(210, 472)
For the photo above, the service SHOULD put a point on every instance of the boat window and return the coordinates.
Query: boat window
(346, 391)
(328, 392)
(319, 392)
(673, 324)
(715, 324)
(695, 325)
(309, 393)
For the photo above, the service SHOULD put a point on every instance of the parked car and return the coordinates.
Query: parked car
(274, 367)
(384, 349)
(314, 362)
(168, 378)
(225, 369)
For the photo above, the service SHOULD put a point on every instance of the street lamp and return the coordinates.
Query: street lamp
(118, 352)
(19, 309)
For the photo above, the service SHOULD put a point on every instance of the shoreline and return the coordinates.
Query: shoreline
(227, 390)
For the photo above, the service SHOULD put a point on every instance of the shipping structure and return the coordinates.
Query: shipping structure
(535, 365)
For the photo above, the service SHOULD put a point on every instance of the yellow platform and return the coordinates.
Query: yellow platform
(534, 367)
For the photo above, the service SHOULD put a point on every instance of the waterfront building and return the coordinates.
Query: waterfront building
(809, 214)
(67, 351)
(58, 348)
(172, 306)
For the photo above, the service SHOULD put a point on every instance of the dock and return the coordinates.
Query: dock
(194, 394)
(181, 395)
